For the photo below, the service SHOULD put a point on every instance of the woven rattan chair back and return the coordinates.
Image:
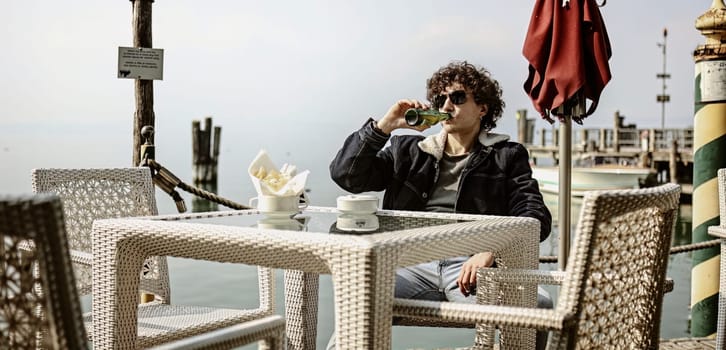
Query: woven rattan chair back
(720, 341)
(721, 322)
(40, 306)
(92, 194)
(616, 269)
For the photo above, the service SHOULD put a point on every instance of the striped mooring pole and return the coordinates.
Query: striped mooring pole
(709, 154)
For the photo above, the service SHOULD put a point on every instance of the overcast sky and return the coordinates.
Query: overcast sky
(326, 57)
(320, 64)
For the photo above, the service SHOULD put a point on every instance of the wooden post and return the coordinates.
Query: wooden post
(530, 131)
(643, 160)
(205, 157)
(144, 89)
(603, 146)
(672, 162)
(616, 132)
(205, 150)
(521, 116)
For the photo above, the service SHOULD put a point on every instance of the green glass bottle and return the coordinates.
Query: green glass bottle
(416, 117)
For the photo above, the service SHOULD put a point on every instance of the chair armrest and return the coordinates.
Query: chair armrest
(271, 328)
(717, 231)
(81, 257)
(77, 256)
(544, 319)
(520, 276)
(501, 286)
(537, 276)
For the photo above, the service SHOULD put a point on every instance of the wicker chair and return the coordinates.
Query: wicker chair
(409, 315)
(720, 341)
(40, 306)
(721, 325)
(612, 290)
(91, 194)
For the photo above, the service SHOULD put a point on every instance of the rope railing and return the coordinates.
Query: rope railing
(551, 259)
(167, 181)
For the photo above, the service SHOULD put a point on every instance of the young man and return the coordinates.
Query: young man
(465, 168)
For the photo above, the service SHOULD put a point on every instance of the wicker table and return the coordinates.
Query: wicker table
(362, 265)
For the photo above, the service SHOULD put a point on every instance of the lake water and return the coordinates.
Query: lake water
(23, 147)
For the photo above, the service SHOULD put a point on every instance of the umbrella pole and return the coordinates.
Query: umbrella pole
(565, 172)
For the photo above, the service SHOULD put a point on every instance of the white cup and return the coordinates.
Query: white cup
(279, 204)
(358, 204)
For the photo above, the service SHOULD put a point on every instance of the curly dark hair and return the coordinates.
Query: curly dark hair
(477, 80)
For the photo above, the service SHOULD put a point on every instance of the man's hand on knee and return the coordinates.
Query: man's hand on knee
(467, 276)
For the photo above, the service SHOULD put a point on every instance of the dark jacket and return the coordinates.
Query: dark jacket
(497, 179)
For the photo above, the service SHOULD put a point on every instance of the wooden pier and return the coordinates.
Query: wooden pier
(668, 151)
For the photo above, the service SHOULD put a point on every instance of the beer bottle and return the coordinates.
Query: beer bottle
(416, 117)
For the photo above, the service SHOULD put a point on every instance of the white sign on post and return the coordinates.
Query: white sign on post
(140, 63)
(713, 80)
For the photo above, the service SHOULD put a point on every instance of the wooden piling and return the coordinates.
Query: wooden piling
(205, 152)
(583, 139)
(555, 137)
(672, 163)
(616, 131)
(143, 89)
(521, 116)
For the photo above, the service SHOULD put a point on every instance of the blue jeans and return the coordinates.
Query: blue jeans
(436, 281)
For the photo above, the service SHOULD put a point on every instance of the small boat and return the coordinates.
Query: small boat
(605, 177)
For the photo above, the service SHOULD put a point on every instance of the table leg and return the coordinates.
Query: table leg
(114, 304)
(363, 289)
(301, 309)
(522, 254)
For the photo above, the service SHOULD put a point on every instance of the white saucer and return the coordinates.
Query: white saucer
(356, 212)
(357, 223)
(355, 229)
(280, 224)
(279, 214)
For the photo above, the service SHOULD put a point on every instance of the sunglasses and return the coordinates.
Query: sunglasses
(456, 97)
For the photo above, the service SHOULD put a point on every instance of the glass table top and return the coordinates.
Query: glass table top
(324, 221)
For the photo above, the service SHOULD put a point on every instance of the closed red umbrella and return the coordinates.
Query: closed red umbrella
(568, 49)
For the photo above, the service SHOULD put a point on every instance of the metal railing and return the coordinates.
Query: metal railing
(651, 140)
